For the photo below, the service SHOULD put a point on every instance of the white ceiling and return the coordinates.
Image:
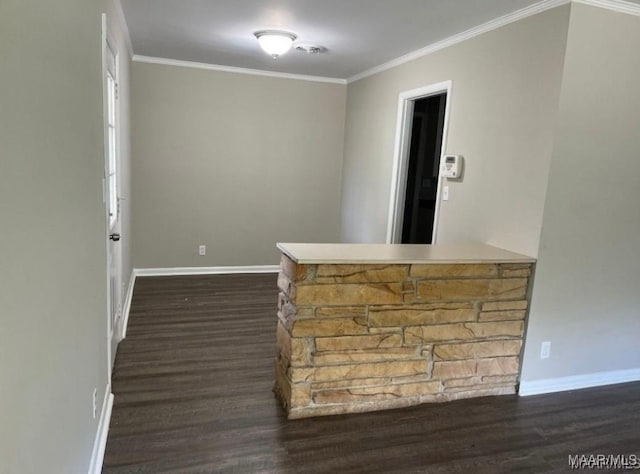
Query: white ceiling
(359, 34)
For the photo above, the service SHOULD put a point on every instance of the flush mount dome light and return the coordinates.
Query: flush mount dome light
(275, 43)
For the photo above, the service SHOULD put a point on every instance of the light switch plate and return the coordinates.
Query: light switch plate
(545, 350)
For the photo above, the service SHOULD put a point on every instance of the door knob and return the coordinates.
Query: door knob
(114, 237)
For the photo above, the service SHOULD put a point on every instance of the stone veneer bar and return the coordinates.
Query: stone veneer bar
(371, 327)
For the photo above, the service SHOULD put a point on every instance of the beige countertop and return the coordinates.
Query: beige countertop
(399, 253)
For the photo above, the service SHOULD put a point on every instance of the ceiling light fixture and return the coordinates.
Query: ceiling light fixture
(275, 43)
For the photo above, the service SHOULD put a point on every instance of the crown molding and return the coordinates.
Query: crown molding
(465, 35)
(614, 5)
(620, 6)
(236, 70)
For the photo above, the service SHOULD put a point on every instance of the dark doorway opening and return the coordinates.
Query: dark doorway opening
(423, 170)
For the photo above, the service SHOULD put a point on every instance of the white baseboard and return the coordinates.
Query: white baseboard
(206, 270)
(100, 442)
(126, 307)
(574, 382)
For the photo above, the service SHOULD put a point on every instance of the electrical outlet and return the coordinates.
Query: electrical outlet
(202, 250)
(95, 402)
(545, 350)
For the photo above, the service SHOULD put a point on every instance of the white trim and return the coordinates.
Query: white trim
(401, 153)
(109, 333)
(100, 441)
(614, 5)
(236, 70)
(125, 27)
(398, 182)
(206, 270)
(465, 35)
(575, 382)
(126, 307)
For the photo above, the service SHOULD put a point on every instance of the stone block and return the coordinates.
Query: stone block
(292, 395)
(444, 332)
(472, 289)
(361, 273)
(287, 311)
(290, 310)
(300, 395)
(408, 286)
(295, 350)
(364, 355)
(340, 311)
(411, 378)
(285, 284)
(416, 315)
(453, 270)
(367, 382)
(385, 330)
(515, 270)
(499, 379)
(462, 331)
(348, 294)
(304, 312)
(504, 305)
(480, 389)
(475, 392)
(329, 327)
(372, 341)
(295, 272)
(515, 266)
(477, 350)
(466, 382)
(479, 382)
(300, 351)
(384, 392)
(282, 384)
(471, 368)
(357, 371)
(361, 406)
(525, 272)
(497, 329)
(283, 340)
(510, 315)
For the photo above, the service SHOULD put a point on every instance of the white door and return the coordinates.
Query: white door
(112, 191)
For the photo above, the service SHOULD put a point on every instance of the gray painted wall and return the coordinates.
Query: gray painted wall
(506, 86)
(586, 299)
(53, 326)
(232, 161)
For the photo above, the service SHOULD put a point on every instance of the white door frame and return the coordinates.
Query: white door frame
(109, 45)
(105, 191)
(402, 148)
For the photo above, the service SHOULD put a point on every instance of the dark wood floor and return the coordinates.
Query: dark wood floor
(193, 380)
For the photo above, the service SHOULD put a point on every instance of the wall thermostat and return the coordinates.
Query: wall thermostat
(452, 166)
